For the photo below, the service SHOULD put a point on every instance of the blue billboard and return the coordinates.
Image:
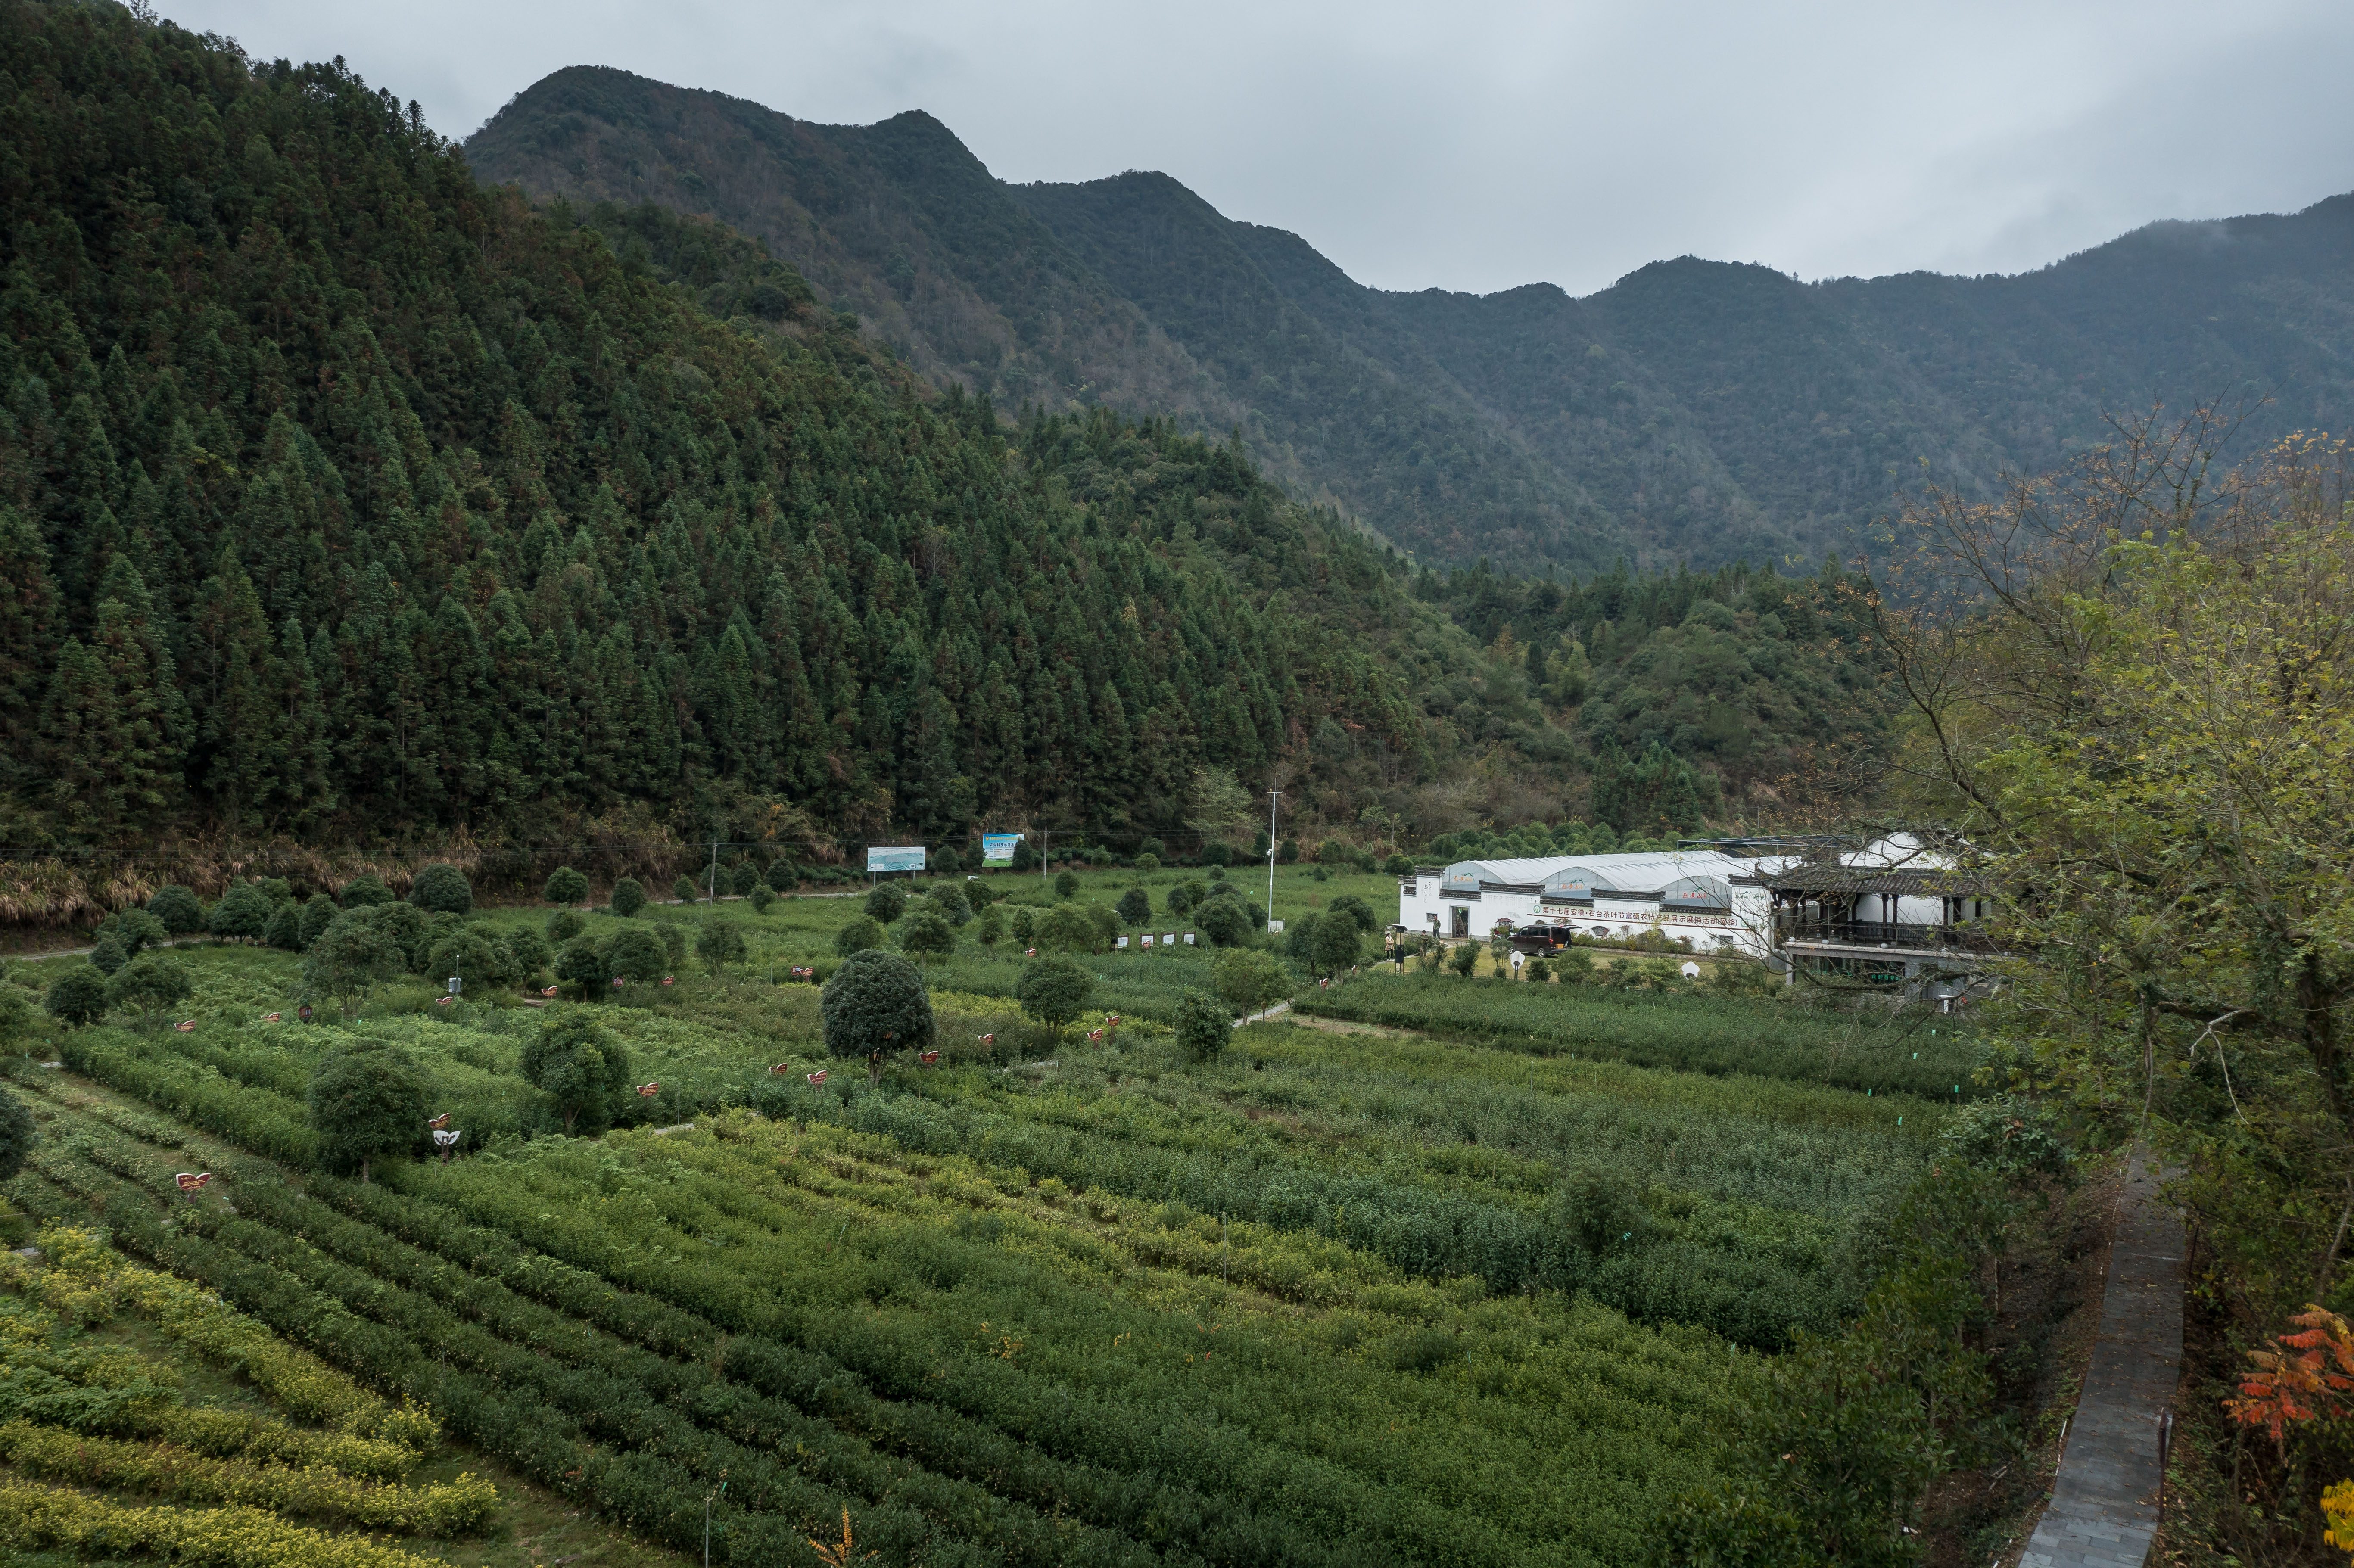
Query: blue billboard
(997, 849)
(895, 857)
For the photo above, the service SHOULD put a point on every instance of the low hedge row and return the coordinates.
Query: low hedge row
(592, 1434)
(35, 1517)
(451, 1508)
(295, 1381)
(1220, 1528)
(256, 1119)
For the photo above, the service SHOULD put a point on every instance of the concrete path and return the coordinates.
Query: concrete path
(2105, 1501)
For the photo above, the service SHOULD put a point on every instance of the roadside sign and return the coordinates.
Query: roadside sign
(997, 849)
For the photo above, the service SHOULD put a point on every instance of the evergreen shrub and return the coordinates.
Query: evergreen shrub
(442, 890)
(176, 906)
(564, 887)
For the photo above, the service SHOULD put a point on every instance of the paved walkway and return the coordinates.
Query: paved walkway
(2104, 1500)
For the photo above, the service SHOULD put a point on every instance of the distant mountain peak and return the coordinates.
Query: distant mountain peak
(1696, 409)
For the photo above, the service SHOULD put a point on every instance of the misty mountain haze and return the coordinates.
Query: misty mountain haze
(1693, 411)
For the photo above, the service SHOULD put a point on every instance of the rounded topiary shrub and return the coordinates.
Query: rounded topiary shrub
(107, 956)
(1054, 990)
(629, 897)
(875, 1002)
(635, 954)
(442, 890)
(364, 890)
(887, 903)
(859, 936)
(684, 890)
(926, 932)
(1068, 928)
(176, 906)
(565, 925)
(242, 914)
(565, 886)
(77, 997)
(285, 928)
(1203, 1026)
(148, 985)
(318, 913)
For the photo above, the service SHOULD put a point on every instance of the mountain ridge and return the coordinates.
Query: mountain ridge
(1695, 409)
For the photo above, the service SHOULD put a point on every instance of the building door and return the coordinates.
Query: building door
(1462, 921)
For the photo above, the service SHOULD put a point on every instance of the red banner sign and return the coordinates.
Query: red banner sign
(438, 1122)
(547, 990)
(268, 1018)
(185, 1026)
(189, 1181)
(989, 1038)
(669, 979)
(928, 1057)
(650, 1090)
(781, 1067)
(1095, 1033)
(818, 1076)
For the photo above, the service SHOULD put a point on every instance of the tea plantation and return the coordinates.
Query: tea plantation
(1482, 1287)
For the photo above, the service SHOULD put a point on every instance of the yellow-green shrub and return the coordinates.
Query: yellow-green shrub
(297, 1382)
(457, 1508)
(35, 1516)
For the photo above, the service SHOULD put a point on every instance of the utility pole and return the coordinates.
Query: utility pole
(1272, 796)
(1046, 837)
(715, 866)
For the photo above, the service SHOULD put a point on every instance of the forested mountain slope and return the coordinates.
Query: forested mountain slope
(341, 495)
(1694, 411)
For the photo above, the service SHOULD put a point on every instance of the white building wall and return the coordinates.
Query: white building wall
(1746, 927)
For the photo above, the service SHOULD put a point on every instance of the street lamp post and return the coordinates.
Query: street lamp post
(1272, 796)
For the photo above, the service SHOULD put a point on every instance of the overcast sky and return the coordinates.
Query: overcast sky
(1480, 146)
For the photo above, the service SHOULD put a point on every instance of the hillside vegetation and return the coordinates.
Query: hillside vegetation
(343, 499)
(336, 489)
(1695, 410)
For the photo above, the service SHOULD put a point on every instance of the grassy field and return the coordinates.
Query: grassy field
(1460, 1295)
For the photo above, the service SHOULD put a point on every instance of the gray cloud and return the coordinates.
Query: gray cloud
(1477, 147)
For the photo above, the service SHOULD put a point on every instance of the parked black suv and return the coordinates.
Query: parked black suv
(1541, 939)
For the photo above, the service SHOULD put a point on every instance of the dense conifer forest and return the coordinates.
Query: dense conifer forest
(339, 491)
(342, 498)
